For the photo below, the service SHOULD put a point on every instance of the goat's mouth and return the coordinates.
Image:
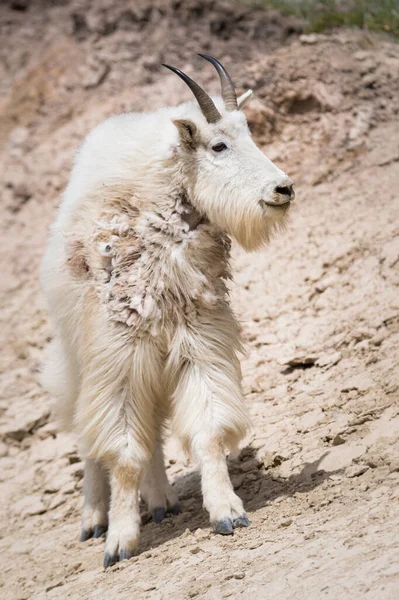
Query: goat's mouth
(279, 206)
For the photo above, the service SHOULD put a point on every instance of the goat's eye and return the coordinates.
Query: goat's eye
(219, 147)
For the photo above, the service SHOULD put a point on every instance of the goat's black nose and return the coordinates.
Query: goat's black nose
(285, 190)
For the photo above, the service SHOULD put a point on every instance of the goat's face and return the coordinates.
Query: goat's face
(231, 181)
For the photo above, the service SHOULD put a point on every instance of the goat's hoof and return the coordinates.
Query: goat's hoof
(242, 521)
(99, 531)
(175, 509)
(126, 554)
(87, 534)
(158, 514)
(224, 527)
(112, 559)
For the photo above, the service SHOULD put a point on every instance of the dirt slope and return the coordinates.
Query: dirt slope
(320, 306)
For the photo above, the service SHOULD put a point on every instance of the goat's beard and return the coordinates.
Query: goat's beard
(252, 229)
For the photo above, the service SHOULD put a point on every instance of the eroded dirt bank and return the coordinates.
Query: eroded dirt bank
(319, 307)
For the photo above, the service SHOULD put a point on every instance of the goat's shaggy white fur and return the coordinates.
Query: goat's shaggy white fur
(134, 275)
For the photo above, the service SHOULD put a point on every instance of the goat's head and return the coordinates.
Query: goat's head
(228, 178)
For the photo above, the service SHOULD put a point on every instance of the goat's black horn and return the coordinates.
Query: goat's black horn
(228, 91)
(208, 108)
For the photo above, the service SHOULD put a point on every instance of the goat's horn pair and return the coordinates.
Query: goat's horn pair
(206, 103)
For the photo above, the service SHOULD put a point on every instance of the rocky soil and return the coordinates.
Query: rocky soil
(319, 307)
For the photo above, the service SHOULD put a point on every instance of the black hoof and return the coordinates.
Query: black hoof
(99, 531)
(126, 554)
(158, 514)
(85, 535)
(110, 559)
(175, 510)
(242, 522)
(224, 527)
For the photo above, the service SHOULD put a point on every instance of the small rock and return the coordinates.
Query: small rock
(271, 460)
(356, 470)
(56, 502)
(338, 440)
(201, 534)
(311, 38)
(327, 282)
(378, 338)
(147, 587)
(76, 470)
(286, 523)
(325, 502)
(249, 465)
(301, 361)
(239, 575)
(55, 585)
(237, 481)
(328, 359)
(27, 424)
(68, 488)
(29, 506)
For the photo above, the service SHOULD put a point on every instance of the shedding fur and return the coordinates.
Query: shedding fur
(135, 278)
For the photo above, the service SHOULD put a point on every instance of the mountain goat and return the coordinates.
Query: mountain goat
(135, 279)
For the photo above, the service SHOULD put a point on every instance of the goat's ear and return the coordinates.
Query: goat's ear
(243, 99)
(187, 130)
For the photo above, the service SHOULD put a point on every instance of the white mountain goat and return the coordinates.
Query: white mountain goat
(135, 278)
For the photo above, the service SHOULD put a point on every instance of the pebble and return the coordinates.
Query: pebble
(329, 359)
(201, 534)
(56, 502)
(338, 440)
(356, 470)
(68, 488)
(29, 506)
(286, 523)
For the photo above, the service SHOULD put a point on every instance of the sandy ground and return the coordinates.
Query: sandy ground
(319, 307)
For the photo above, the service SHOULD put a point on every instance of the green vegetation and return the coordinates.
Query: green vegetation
(373, 15)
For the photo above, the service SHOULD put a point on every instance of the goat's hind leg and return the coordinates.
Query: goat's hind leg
(155, 488)
(96, 501)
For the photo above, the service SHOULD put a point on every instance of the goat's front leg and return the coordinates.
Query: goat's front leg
(225, 508)
(209, 413)
(96, 500)
(124, 516)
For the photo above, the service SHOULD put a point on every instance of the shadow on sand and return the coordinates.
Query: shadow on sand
(256, 486)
